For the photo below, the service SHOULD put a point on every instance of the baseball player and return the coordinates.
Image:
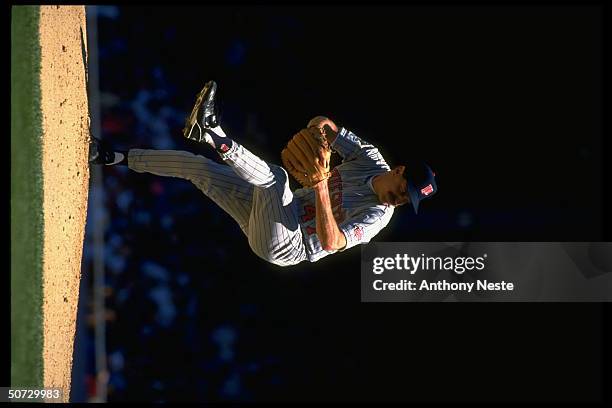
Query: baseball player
(349, 207)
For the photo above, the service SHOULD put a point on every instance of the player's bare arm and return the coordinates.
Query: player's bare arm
(329, 234)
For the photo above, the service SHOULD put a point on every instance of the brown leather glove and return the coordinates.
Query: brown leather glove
(307, 156)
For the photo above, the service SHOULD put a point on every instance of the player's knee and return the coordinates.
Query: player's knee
(282, 184)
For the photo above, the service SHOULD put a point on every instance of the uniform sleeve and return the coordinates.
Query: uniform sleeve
(361, 228)
(352, 148)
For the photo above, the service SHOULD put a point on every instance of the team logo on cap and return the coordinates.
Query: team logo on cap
(427, 190)
(224, 148)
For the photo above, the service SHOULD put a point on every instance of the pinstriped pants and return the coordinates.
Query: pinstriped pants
(254, 193)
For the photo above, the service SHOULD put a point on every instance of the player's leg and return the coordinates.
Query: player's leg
(250, 167)
(274, 231)
(203, 126)
(267, 214)
(219, 182)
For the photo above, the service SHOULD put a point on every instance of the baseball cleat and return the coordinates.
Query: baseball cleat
(204, 114)
(98, 154)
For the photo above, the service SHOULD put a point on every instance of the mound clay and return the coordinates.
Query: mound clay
(63, 40)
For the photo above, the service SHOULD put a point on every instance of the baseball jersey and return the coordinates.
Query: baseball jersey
(358, 213)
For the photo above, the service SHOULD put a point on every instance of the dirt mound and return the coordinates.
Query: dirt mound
(63, 40)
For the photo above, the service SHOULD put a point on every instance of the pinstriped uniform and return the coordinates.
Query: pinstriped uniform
(356, 208)
(280, 225)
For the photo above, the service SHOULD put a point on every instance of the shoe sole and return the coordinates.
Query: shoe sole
(193, 117)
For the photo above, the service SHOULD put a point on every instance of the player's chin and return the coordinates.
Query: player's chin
(386, 198)
(399, 202)
(393, 200)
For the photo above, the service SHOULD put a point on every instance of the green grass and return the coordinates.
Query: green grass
(26, 200)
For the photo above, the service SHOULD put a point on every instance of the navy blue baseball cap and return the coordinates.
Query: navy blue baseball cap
(421, 184)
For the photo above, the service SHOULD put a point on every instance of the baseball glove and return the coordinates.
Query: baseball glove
(307, 156)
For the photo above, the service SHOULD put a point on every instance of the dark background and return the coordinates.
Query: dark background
(505, 103)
